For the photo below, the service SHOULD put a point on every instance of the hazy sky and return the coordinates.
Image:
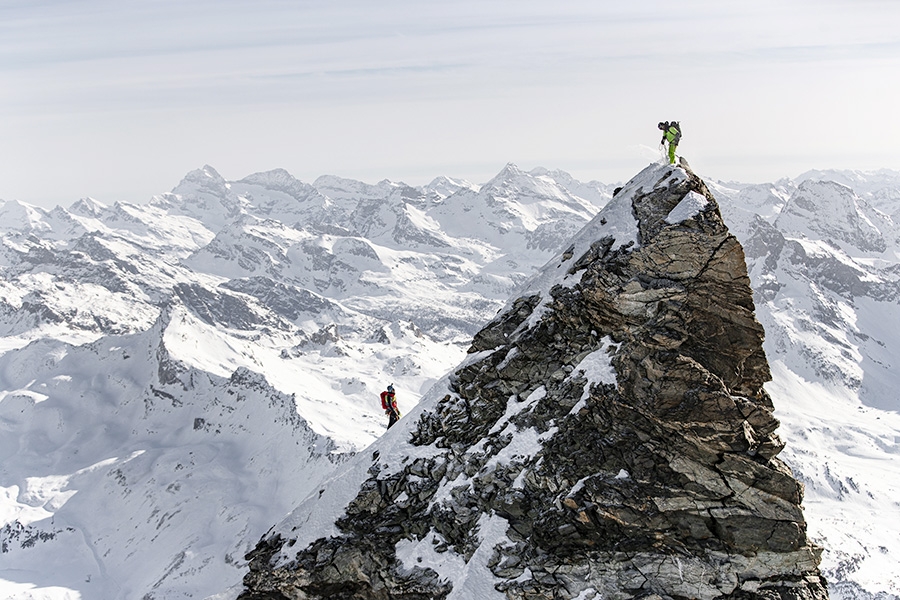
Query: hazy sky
(118, 99)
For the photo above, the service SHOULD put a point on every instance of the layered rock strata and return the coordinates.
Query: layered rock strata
(608, 437)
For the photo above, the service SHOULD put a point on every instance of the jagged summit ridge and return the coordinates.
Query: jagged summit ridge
(607, 436)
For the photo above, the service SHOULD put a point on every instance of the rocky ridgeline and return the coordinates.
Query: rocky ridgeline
(608, 437)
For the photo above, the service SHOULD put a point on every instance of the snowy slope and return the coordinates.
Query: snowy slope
(115, 456)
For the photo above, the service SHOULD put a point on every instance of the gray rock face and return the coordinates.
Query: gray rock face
(608, 437)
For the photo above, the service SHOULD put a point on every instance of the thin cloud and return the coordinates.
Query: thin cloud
(165, 86)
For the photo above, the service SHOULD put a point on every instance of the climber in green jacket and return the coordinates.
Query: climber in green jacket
(672, 134)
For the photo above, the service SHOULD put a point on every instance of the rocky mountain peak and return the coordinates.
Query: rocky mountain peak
(88, 207)
(204, 195)
(511, 178)
(279, 180)
(608, 436)
(834, 211)
(204, 175)
(205, 180)
(17, 216)
(443, 186)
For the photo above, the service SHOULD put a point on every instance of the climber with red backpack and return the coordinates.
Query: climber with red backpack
(672, 135)
(389, 404)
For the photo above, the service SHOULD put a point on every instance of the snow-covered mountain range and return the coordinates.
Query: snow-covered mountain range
(175, 377)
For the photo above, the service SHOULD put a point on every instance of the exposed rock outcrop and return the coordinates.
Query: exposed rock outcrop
(608, 437)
